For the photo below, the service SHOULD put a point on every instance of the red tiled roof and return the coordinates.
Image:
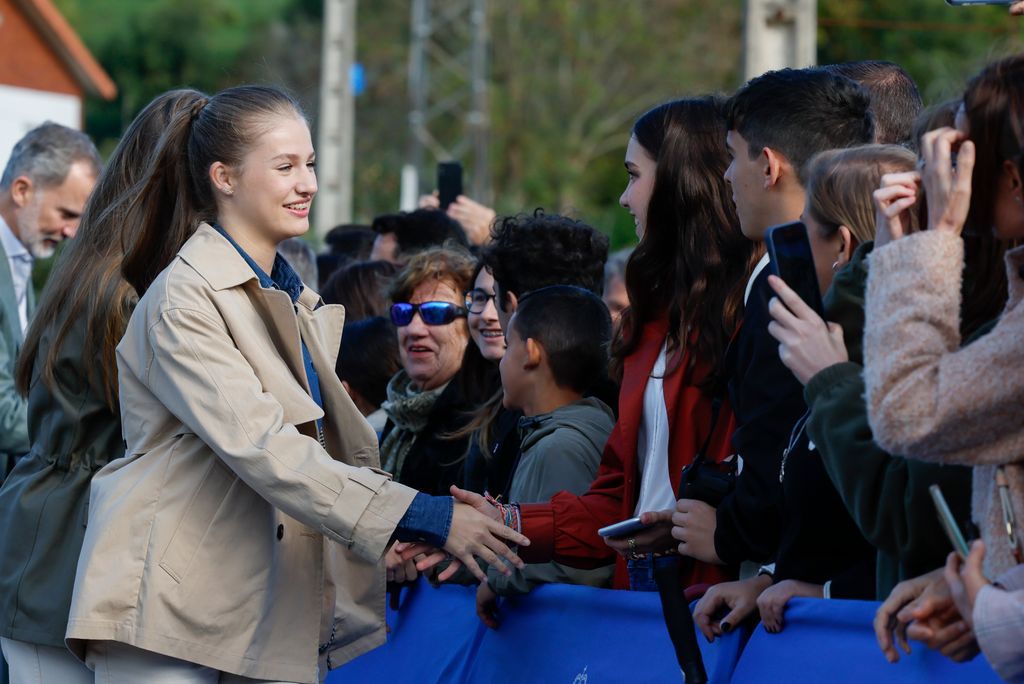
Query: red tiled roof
(55, 29)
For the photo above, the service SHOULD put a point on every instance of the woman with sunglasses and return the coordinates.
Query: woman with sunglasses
(424, 406)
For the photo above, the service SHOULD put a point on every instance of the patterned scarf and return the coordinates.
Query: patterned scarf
(409, 409)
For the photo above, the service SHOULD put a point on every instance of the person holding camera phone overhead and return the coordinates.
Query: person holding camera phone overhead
(241, 536)
(691, 266)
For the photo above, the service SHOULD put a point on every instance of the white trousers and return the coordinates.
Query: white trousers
(33, 664)
(117, 663)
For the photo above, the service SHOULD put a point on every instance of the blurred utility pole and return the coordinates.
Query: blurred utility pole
(336, 123)
(448, 117)
(779, 33)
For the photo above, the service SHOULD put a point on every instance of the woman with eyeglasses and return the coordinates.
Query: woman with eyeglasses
(424, 406)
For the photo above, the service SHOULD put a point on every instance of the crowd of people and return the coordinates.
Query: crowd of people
(221, 449)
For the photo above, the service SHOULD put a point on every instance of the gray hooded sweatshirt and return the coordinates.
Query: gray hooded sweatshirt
(560, 451)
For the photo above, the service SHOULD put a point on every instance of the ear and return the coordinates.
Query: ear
(1012, 179)
(846, 247)
(222, 178)
(775, 166)
(511, 302)
(534, 354)
(22, 190)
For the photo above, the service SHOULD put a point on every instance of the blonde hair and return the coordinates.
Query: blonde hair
(840, 184)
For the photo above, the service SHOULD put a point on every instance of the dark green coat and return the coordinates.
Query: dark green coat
(886, 495)
(44, 501)
(13, 432)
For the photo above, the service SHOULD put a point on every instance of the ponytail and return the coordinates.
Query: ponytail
(175, 193)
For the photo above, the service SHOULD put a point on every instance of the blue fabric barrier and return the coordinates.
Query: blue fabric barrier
(833, 641)
(573, 634)
(558, 633)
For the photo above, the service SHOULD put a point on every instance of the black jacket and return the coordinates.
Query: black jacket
(767, 400)
(434, 463)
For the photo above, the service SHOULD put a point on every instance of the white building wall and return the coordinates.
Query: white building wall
(22, 109)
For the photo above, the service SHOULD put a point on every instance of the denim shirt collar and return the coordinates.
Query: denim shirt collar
(282, 276)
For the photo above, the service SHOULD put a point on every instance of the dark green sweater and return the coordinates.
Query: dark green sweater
(886, 495)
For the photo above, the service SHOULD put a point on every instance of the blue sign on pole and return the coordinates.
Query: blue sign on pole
(357, 78)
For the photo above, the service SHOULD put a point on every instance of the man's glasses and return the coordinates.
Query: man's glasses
(476, 300)
(432, 313)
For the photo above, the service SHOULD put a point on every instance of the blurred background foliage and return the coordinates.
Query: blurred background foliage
(567, 77)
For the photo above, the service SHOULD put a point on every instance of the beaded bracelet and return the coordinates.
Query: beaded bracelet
(510, 514)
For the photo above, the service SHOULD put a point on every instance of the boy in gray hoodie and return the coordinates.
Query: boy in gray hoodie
(557, 349)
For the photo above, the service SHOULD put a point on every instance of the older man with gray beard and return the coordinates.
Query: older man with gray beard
(43, 190)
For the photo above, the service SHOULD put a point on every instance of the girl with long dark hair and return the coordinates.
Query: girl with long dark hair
(67, 370)
(686, 281)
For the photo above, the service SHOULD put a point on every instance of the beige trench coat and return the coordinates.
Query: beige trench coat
(208, 542)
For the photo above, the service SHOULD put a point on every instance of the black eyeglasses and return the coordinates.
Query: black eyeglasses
(476, 300)
(432, 313)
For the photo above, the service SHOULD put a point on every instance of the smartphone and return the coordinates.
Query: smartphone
(621, 529)
(956, 537)
(791, 259)
(962, 3)
(449, 182)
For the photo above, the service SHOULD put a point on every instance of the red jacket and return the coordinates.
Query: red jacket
(565, 529)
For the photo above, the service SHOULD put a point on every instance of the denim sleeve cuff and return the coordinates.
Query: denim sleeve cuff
(428, 519)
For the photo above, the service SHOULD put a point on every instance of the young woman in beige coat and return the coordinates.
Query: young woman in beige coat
(241, 537)
(929, 398)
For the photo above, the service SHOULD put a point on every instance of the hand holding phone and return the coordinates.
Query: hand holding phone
(964, 3)
(952, 530)
(621, 529)
(449, 183)
(792, 260)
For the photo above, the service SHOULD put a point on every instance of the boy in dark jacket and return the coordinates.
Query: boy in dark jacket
(557, 349)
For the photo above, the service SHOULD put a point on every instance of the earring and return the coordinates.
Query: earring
(835, 265)
(229, 191)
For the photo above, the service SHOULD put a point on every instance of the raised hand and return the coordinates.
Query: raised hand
(807, 344)
(894, 200)
(947, 185)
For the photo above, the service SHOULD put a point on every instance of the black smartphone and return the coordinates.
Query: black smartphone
(449, 182)
(792, 260)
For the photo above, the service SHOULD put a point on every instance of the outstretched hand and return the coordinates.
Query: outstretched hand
(476, 531)
(1017, 8)
(807, 344)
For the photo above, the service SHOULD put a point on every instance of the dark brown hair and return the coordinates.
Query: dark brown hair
(692, 263)
(994, 105)
(361, 287)
(174, 193)
(87, 281)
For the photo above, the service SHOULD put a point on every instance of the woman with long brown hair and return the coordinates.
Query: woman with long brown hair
(68, 372)
(685, 281)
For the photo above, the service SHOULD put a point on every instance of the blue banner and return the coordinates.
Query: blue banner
(577, 635)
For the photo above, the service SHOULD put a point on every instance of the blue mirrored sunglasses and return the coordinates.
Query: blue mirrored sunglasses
(432, 313)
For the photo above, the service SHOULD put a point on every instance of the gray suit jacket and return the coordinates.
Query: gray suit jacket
(13, 407)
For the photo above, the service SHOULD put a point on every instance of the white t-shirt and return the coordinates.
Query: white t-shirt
(652, 444)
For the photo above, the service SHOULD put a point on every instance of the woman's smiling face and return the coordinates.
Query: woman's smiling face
(484, 327)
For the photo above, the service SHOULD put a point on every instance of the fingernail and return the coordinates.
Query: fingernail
(725, 627)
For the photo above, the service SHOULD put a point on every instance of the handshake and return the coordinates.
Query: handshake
(478, 530)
